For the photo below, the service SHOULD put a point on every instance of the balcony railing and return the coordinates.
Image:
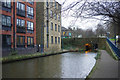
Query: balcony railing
(30, 45)
(6, 46)
(21, 45)
(21, 29)
(30, 31)
(20, 12)
(114, 48)
(7, 28)
(6, 9)
(30, 16)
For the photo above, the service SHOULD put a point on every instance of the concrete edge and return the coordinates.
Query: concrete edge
(37, 56)
(94, 68)
(113, 53)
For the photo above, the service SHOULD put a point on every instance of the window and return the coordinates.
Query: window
(20, 23)
(51, 13)
(6, 41)
(59, 17)
(47, 14)
(47, 3)
(20, 9)
(59, 6)
(51, 39)
(59, 40)
(55, 16)
(20, 41)
(51, 3)
(31, 1)
(30, 41)
(55, 40)
(30, 12)
(20, 6)
(47, 41)
(6, 3)
(55, 5)
(30, 27)
(6, 20)
(47, 27)
(51, 26)
(21, 26)
(55, 27)
(58, 28)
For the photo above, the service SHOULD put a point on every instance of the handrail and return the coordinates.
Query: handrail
(114, 48)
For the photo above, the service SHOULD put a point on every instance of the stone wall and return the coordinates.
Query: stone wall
(80, 42)
(19, 51)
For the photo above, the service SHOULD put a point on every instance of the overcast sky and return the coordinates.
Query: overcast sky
(80, 23)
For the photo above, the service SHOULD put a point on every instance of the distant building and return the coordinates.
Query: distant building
(18, 27)
(48, 26)
(66, 33)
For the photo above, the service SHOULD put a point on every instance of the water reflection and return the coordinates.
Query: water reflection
(68, 65)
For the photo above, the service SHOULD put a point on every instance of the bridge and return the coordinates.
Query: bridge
(100, 43)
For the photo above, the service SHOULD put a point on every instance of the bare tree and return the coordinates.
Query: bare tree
(100, 31)
(95, 9)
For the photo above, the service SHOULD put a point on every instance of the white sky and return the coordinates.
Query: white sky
(84, 23)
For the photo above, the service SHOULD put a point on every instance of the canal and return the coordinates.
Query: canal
(67, 65)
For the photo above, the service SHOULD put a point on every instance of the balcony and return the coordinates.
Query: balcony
(30, 16)
(21, 29)
(21, 45)
(7, 28)
(30, 46)
(30, 31)
(6, 46)
(20, 13)
(5, 8)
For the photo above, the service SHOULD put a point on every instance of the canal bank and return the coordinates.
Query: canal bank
(14, 58)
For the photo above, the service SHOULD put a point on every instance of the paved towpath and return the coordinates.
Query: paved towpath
(107, 67)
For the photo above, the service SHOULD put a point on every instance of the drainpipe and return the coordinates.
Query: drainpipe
(14, 25)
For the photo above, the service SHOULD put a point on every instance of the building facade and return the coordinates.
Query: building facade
(18, 27)
(48, 28)
(66, 33)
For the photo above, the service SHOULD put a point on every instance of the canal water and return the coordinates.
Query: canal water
(67, 65)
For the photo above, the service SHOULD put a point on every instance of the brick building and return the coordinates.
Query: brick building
(48, 28)
(18, 27)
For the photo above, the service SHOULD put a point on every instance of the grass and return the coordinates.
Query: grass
(98, 56)
(112, 39)
(19, 57)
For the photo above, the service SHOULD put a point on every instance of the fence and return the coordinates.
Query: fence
(114, 48)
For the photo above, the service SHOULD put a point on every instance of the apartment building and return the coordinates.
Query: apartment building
(18, 24)
(48, 28)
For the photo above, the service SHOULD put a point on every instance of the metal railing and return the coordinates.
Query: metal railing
(114, 48)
